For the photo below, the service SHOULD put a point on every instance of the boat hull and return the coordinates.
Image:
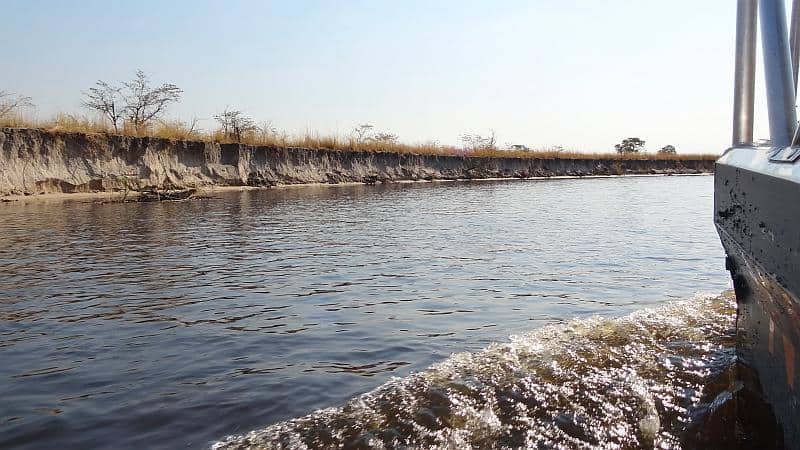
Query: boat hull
(757, 214)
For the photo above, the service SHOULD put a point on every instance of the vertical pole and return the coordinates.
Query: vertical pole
(778, 72)
(794, 40)
(745, 71)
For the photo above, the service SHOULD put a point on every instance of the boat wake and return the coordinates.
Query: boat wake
(644, 380)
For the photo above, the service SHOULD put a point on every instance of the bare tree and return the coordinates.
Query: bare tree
(134, 101)
(266, 128)
(11, 103)
(384, 138)
(266, 131)
(363, 132)
(234, 124)
(477, 142)
(144, 103)
(105, 99)
(193, 128)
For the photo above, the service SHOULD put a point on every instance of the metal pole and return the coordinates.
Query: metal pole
(794, 39)
(745, 71)
(778, 72)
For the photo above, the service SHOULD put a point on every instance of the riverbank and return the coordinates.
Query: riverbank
(37, 162)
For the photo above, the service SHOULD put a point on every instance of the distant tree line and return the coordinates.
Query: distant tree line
(635, 145)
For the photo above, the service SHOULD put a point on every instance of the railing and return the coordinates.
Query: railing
(781, 62)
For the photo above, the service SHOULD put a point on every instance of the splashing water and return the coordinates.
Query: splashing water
(632, 382)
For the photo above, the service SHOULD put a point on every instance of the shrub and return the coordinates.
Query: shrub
(630, 145)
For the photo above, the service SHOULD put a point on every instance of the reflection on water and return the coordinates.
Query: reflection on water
(174, 324)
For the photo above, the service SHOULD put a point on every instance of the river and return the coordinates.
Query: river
(364, 315)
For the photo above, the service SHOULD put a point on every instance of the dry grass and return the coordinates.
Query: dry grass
(178, 130)
(557, 154)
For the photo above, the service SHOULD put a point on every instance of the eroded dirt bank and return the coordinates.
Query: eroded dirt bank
(38, 162)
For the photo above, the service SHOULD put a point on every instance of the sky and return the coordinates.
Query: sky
(579, 74)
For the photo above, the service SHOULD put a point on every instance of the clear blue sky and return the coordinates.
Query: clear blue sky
(582, 74)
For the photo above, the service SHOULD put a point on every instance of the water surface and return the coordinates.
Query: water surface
(168, 325)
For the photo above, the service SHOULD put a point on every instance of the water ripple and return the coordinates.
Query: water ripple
(164, 324)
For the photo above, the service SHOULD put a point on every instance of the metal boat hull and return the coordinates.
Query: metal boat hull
(757, 213)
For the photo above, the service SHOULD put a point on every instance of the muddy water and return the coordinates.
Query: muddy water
(178, 324)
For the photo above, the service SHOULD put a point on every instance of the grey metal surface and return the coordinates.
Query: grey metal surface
(745, 72)
(778, 72)
(756, 218)
(757, 159)
(794, 40)
(756, 221)
(785, 154)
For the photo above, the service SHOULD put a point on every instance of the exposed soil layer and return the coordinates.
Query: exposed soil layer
(35, 161)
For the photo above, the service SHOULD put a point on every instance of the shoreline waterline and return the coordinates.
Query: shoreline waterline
(205, 191)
